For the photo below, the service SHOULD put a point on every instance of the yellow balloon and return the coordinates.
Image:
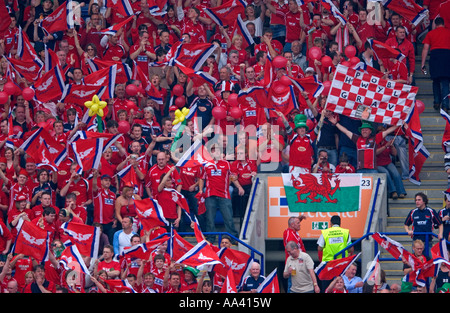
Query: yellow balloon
(175, 121)
(95, 106)
(100, 112)
(185, 111)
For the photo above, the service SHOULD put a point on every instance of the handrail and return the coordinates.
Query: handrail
(249, 208)
(373, 205)
(253, 251)
(426, 248)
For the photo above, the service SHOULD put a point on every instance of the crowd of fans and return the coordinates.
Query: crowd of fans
(288, 142)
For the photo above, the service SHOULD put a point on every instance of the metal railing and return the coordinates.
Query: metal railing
(253, 251)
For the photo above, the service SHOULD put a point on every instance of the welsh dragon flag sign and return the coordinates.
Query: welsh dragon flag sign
(323, 192)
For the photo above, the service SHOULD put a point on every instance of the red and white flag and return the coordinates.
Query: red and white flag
(360, 95)
(417, 152)
(123, 71)
(229, 285)
(87, 153)
(120, 286)
(112, 30)
(32, 241)
(50, 86)
(384, 52)
(235, 260)
(227, 13)
(198, 77)
(32, 146)
(197, 154)
(59, 20)
(150, 90)
(270, 284)
(393, 247)
(331, 269)
(71, 259)
(74, 93)
(373, 272)
(150, 213)
(25, 51)
(28, 69)
(240, 28)
(178, 246)
(51, 59)
(408, 9)
(85, 237)
(200, 256)
(310, 84)
(281, 98)
(192, 55)
(123, 7)
(143, 250)
(105, 77)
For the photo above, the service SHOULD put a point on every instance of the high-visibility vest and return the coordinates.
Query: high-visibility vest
(335, 239)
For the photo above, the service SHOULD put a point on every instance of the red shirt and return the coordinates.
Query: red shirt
(142, 60)
(21, 267)
(291, 235)
(366, 150)
(407, 48)
(244, 171)
(114, 53)
(196, 31)
(217, 178)
(190, 175)
(301, 152)
(104, 206)
(80, 189)
(438, 38)
(169, 206)
(153, 177)
(5, 236)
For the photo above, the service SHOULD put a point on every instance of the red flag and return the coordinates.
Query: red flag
(123, 7)
(178, 246)
(408, 9)
(71, 259)
(112, 30)
(417, 154)
(385, 52)
(148, 87)
(270, 284)
(5, 19)
(123, 71)
(281, 98)
(229, 285)
(192, 55)
(50, 86)
(198, 77)
(196, 155)
(60, 20)
(331, 269)
(119, 286)
(200, 256)
(32, 240)
(85, 237)
(105, 77)
(150, 214)
(87, 153)
(241, 29)
(251, 101)
(143, 250)
(235, 260)
(28, 69)
(227, 13)
(32, 146)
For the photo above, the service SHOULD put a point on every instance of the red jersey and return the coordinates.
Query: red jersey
(49, 227)
(80, 188)
(366, 148)
(196, 31)
(153, 177)
(22, 266)
(291, 235)
(109, 266)
(5, 235)
(114, 53)
(244, 171)
(142, 60)
(217, 176)
(190, 175)
(104, 206)
(301, 152)
(169, 206)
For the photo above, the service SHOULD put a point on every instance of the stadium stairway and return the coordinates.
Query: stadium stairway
(433, 177)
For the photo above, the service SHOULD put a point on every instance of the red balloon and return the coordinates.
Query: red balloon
(285, 80)
(354, 60)
(218, 94)
(131, 90)
(219, 112)
(326, 87)
(28, 94)
(236, 112)
(350, 51)
(131, 105)
(124, 127)
(233, 99)
(420, 106)
(279, 61)
(180, 102)
(346, 63)
(326, 61)
(3, 97)
(315, 53)
(177, 90)
(9, 88)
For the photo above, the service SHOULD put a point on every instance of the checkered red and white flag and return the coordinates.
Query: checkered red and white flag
(361, 95)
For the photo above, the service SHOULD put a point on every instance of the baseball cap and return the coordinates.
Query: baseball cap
(105, 176)
(172, 108)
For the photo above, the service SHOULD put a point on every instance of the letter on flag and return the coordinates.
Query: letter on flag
(358, 94)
